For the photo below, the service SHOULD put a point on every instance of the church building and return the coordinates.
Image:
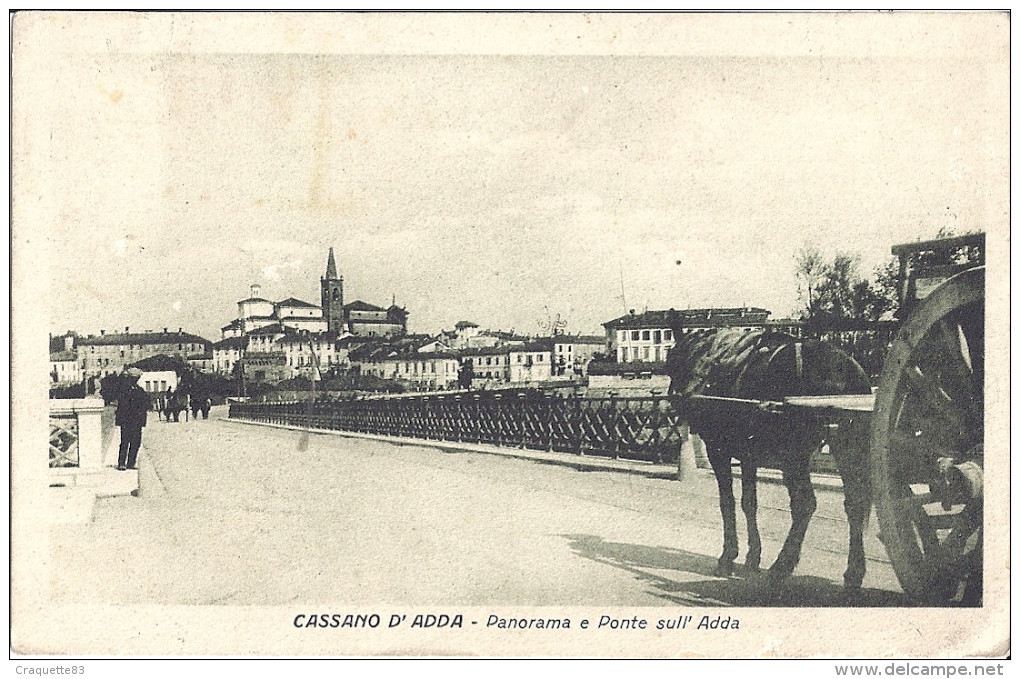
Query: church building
(274, 333)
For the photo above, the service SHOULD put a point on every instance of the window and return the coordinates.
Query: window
(635, 335)
(667, 335)
(657, 336)
(646, 335)
(541, 358)
(644, 353)
(624, 355)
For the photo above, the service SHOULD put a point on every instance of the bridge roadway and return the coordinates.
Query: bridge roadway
(240, 514)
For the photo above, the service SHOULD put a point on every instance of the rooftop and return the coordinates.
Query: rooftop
(231, 343)
(179, 337)
(670, 318)
(294, 302)
(271, 329)
(358, 305)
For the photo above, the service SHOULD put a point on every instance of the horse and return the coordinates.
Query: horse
(750, 372)
(176, 403)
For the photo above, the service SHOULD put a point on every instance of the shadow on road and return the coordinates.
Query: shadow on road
(691, 580)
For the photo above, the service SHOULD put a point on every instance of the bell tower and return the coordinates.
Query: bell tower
(332, 287)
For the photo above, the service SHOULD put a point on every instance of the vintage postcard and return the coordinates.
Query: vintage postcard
(510, 335)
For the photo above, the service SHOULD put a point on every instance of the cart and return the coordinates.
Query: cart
(924, 447)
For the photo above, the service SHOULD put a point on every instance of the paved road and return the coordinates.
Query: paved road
(248, 515)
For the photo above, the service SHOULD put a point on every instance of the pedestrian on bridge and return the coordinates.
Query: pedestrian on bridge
(132, 412)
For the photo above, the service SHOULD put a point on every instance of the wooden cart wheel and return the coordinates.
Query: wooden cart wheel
(927, 445)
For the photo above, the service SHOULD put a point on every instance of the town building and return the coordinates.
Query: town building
(156, 382)
(421, 361)
(231, 329)
(532, 361)
(227, 352)
(367, 320)
(331, 287)
(468, 335)
(357, 317)
(281, 340)
(649, 336)
(489, 366)
(305, 351)
(301, 316)
(65, 369)
(573, 353)
(109, 353)
(203, 363)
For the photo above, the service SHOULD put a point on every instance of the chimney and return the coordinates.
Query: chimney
(165, 330)
(102, 332)
(255, 289)
(180, 330)
(68, 342)
(126, 329)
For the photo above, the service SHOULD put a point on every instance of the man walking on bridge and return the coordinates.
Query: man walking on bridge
(132, 411)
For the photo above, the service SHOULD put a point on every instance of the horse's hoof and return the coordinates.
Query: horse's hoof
(724, 570)
(777, 576)
(851, 596)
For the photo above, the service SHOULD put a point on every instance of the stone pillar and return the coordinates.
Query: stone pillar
(87, 415)
(687, 464)
(90, 434)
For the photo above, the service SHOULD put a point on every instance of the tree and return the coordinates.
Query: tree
(887, 285)
(835, 291)
(465, 375)
(810, 272)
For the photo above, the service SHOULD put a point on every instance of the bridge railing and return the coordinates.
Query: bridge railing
(636, 428)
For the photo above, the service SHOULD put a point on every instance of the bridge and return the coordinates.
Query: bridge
(235, 513)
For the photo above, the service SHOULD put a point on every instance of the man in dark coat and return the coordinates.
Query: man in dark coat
(132, 411)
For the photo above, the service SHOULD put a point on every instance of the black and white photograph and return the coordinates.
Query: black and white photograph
(510, 335)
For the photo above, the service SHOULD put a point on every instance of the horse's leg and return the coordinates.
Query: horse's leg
(797, 477)
(727, 505)
(749, 503)
(848, 445)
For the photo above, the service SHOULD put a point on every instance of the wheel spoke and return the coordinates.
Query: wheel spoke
(934, 398)
(950, 559)
(926, 441)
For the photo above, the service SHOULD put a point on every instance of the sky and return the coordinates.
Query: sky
(503, 186)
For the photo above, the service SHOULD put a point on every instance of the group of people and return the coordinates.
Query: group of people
(133, 409)
(171, 404)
